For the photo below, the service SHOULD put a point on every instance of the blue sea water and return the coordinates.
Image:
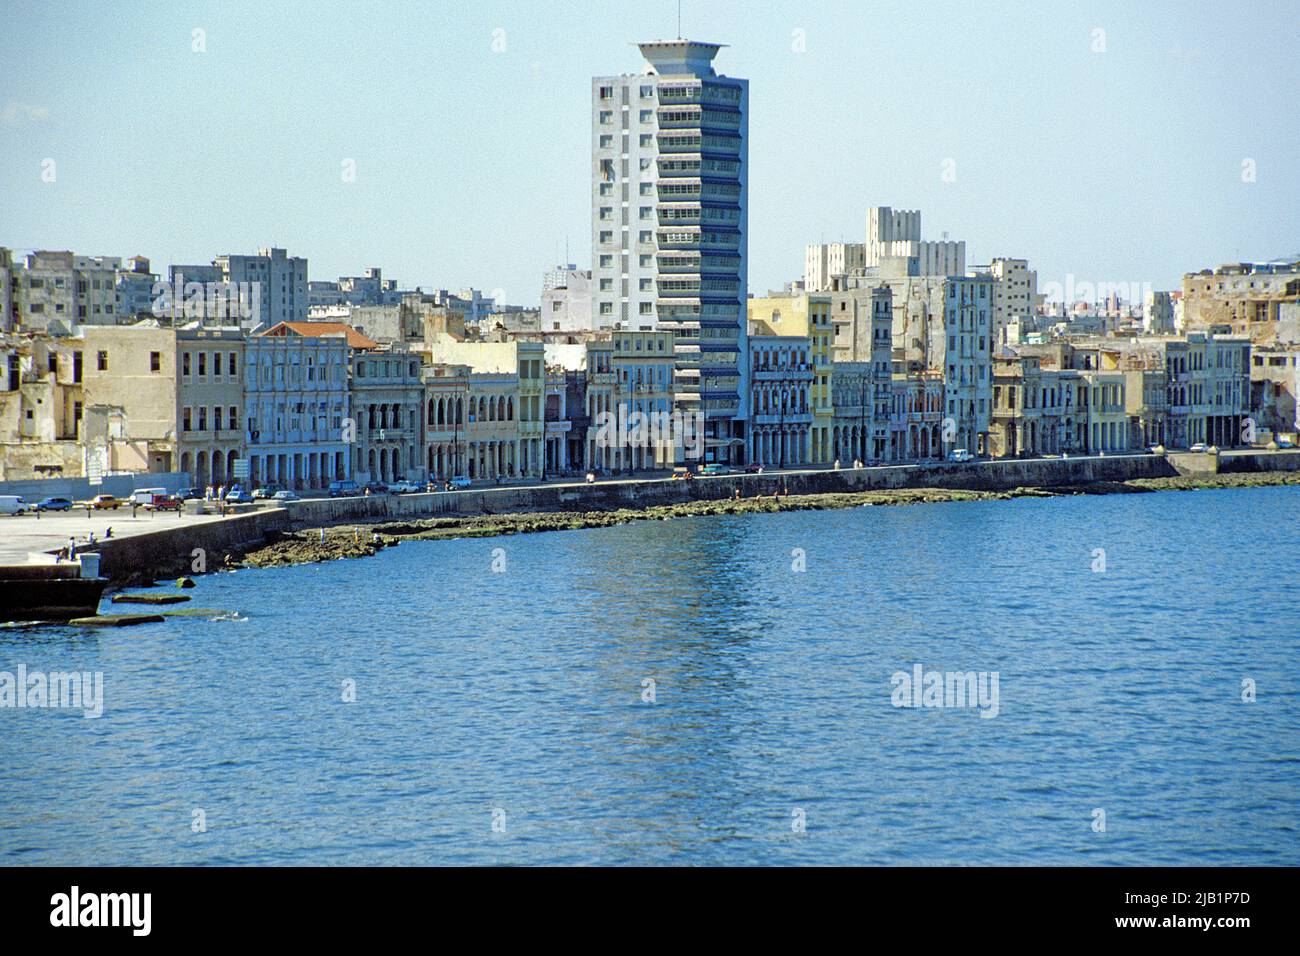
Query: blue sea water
(500, 716)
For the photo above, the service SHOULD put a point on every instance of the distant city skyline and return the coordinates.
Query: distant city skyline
(1108, 144)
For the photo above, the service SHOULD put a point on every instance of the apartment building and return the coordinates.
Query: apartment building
(163, 399)
(61, 290)
(494, 438)
(825, 262)
(1275, 385)
(446, 401)
(968, 360)
(809, 317)
(916, 416)
(567, 300)
(40, 407)
(134, 293)
(643, 364)
(1015, 293)
(669, 223)
(511, 375)
(388, 401)
(275, 281)
(1259, 301)
(896, 234)
(1032, 407)
(297, 404)
(782, 413)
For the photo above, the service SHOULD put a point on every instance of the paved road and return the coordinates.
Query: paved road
(22, 534)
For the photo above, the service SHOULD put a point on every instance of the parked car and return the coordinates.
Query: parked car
(715, 468)
(960, 454)
(53, 504)
(105, 503)
(238, 496)
(376, 488)
(344, 488)
(12, 505)
(459, 482)
(1200, 446)
(285, 496)
(189, 494)
(165, 503)
(266, 491)
(1285, 443)
(404, 488)
(753, 469)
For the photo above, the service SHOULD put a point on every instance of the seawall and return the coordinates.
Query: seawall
(156, 554)
(170, 551)
(606, 495)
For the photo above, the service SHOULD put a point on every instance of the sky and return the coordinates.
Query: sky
(1110, 142)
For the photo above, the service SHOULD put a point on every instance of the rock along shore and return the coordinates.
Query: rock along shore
(362, 540)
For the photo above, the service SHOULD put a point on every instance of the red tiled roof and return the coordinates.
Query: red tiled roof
(316, 329)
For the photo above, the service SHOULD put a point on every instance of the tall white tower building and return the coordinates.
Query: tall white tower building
(669, 223)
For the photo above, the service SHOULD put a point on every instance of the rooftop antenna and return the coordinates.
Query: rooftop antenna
(679, 19)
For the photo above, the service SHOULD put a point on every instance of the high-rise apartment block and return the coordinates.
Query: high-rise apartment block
(669, 216)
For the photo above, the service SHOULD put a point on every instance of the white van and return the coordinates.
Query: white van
(12, 505)
(146, 496)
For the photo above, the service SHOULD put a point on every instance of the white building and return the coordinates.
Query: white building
(295, 404)
(822, 263)
(566, 300)
(896, 234)
(1158, 313)
(1015, 293)
(669, 224)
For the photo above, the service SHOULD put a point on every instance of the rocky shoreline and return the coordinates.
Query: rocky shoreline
(363, 540)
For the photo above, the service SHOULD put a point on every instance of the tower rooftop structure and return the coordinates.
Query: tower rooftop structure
(680, 57)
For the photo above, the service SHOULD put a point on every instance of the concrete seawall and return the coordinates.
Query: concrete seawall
(171, 551)
(973, 476)
(1259, 461)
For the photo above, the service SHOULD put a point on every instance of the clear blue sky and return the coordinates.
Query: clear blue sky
(472, 165)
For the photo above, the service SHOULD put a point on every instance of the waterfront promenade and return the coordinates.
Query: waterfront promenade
(25, 535)
(154, 540)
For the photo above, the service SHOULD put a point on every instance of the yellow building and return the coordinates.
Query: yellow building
(809, 316)
(524, 365)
